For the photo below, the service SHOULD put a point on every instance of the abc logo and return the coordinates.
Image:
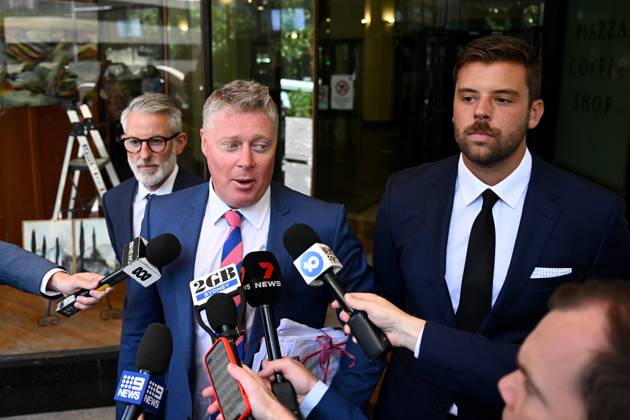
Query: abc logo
(311, 263)
(141, 274)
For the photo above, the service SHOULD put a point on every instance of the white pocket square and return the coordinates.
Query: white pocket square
(548, 272)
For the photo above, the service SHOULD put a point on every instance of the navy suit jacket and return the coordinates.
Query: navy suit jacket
(334, 406)
(21, 269)
(118, 208)
(566, 222)
(169, 300)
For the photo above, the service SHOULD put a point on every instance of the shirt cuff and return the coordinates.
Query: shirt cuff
(313, 398)
(416, 351)
(46, 279)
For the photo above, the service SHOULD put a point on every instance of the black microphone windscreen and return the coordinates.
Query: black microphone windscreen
(163, 249)
(221, 310)
(261, 278)
(298, 238)
(155, 348)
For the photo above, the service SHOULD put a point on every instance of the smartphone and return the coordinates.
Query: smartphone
(233, 402)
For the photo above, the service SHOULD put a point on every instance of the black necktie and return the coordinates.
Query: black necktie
(476, 294)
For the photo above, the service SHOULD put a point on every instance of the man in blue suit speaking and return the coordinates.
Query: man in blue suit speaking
(474, 245)
(239, 140)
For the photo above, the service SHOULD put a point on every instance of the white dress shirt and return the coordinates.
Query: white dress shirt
(507, 218)
(214, 230)
(44, 284)
(140, 201)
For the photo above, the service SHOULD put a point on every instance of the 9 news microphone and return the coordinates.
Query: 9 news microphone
(140, 390)
(317, 264)
(262, 285)
(141, 262)
(222, 317)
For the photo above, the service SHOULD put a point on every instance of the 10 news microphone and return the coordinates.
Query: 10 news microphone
(260, 282)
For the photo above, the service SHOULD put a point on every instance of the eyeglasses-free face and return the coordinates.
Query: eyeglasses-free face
(157, 144)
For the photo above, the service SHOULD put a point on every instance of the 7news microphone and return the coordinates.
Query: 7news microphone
(141, 262)
(262, 285)
(142, 391)
(317, 264)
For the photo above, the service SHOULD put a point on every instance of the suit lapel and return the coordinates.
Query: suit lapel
(127, 220)
(278, 224)
(125, 202)
(438, 206)
(537, 221)
(188, 233)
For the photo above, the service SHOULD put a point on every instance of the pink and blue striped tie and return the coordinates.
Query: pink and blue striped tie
(232, 253)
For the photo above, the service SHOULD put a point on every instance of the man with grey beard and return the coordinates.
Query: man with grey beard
(153, 137)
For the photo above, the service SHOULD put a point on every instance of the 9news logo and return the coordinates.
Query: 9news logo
(154, 395)
(311, 263)
(131, 387)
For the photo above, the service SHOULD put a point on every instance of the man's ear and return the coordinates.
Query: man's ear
(535, 113)
(180, 142)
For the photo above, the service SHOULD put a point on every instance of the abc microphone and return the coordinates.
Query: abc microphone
(262, 285)
(140, 262)
(140, 390)
(317, 264)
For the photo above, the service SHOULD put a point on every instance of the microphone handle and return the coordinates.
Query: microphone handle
(371, 339)
(230, 333)
(283, 390)
(330, 279)
(107, 281)
(271, 337)
(132, 411)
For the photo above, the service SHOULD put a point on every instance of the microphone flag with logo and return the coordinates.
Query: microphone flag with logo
(142, 391)
(142, 261)
(317, 264)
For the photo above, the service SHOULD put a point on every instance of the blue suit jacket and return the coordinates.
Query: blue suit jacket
(169, 300)
(21, 269)
(118, 208)
(566, 222)
(333, 406)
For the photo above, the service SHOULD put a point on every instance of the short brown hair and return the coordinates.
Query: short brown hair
(605, 383)
(245, 96)
(503, 48)
(154, 103)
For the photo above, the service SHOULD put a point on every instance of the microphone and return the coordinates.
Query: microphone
(317, 264)
(262, 286)
(139, 390)
(222, 317)
(142, 261)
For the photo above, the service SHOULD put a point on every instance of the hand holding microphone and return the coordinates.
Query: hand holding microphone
(318, 265)
(401, 329)
(141, 263)
(262, 286)
(264, 405)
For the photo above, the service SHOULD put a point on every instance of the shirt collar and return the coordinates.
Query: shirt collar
(254, 214)
(164, 189)
(510, 190)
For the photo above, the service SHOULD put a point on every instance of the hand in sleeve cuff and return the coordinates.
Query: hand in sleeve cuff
(401, 329)
(58, 281)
